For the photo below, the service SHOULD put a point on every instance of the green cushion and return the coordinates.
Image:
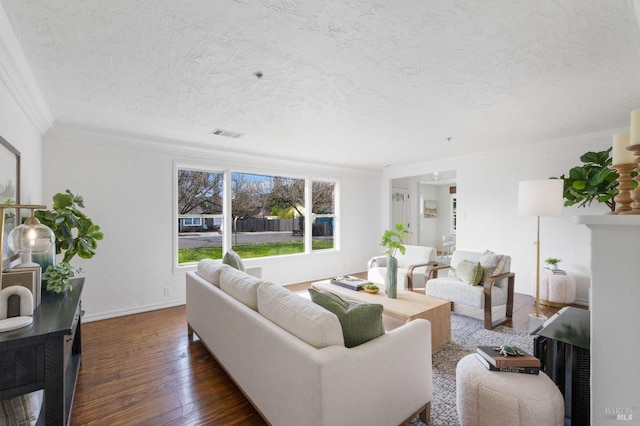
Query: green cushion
(232, 259)
(469, 272)
(360, 322)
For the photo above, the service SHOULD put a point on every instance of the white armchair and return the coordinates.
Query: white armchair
(495, 286)
(414, 267)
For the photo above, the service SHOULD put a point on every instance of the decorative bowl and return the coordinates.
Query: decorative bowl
(372, 290)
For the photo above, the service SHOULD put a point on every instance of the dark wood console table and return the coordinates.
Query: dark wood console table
(46, 355)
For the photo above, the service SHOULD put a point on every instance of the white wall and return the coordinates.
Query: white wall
(16, 129)
(24, 117)
(127, 182)
(487, 205)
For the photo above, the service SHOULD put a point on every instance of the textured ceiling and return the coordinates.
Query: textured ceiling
(362, 83)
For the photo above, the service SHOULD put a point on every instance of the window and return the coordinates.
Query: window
(267, 215)
(200, 199)
(191, 221)
(323, 210)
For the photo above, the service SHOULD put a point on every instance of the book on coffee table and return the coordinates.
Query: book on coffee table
(495, 358)
(491, 367)
(352, 283)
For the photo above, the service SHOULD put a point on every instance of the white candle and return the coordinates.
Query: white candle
(634, 130)
(620, 153)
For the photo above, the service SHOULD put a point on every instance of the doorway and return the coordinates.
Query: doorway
(401, 208)
(427, 207)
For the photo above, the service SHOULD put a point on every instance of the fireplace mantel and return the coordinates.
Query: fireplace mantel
(615, 317)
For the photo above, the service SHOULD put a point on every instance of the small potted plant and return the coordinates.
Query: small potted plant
(553, 263)
(392, 241)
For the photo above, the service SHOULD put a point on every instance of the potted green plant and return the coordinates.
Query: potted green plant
(393, 240)
(594, 180)
(552, 262)
(75, 234)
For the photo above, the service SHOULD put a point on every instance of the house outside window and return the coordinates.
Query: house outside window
(191, 222)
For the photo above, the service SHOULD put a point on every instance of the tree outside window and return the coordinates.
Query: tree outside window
(268, 215)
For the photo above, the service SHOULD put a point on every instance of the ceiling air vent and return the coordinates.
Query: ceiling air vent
(227, 133)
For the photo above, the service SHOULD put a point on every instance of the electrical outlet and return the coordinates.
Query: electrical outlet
(166, 291)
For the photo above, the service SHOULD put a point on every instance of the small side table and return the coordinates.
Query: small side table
(557, 289)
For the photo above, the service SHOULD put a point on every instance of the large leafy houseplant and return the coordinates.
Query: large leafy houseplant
(594, 180)
(75, 234)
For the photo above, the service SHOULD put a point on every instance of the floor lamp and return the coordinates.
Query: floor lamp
(539, 198)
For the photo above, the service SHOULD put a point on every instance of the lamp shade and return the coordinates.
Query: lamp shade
(31, 237)
(540, 197)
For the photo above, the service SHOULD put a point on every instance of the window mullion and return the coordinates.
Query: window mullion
(227, 230)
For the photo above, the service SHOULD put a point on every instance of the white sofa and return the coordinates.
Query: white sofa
(385, 381)
(413, 267)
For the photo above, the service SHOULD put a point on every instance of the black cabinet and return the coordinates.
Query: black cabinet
(46, 355)
(563, 347)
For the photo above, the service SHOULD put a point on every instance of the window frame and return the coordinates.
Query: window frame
(227, 208)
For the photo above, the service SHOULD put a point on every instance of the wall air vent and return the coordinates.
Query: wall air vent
(227, 133)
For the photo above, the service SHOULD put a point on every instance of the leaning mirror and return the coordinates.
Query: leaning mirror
(9, 192)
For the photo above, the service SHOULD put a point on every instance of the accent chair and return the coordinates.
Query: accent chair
(414, 267)
(478, 279)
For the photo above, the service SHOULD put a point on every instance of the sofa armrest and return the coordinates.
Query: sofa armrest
(488, 285)
(396, 365)
(254, 271)
(433, 271)
(377, 262)
(489, 281)
(419, 265)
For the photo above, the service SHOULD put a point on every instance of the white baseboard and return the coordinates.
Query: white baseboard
(130, 311)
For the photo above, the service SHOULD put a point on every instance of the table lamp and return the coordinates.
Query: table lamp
(28, 238)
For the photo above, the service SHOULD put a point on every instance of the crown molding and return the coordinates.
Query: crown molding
(17, 77)
(191, 152)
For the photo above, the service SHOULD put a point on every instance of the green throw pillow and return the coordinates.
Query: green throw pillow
(232, 259)
(469, 272)
(360, 322)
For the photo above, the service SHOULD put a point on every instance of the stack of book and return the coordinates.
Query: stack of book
(493, 360)
(352, 283)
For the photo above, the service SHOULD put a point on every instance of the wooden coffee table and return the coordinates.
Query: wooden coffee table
(406, 307)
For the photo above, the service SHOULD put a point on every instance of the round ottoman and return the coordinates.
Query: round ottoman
(486, 397)
(556, 289)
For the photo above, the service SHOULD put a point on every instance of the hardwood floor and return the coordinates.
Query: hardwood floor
(143, 370)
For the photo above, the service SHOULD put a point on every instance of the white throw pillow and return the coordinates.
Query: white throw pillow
(210, 269)
(301, 317)
(492, 263)
(241, 286)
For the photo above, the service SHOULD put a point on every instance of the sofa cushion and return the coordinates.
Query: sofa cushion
(299, 316)
(241, 286)
(210, 269)
(232, 259)
(492, 263)
(469, 272)
(360, 322)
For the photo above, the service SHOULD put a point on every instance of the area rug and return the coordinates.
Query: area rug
(466, 334)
